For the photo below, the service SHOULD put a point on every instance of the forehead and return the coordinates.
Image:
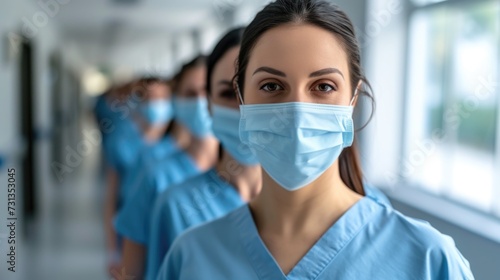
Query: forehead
(225, 66)
(158, 85)
(193, 71)
(299, 47)
(193, 74)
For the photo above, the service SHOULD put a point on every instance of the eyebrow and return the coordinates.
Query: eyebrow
(326, 71)
(312, 75)
(225, 82)
(270, 71)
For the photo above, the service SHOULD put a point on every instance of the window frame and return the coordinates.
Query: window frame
(483, 223)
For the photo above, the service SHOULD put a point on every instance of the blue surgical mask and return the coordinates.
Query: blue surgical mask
(296, 142)
(193, 113)
(158, 111)
(226, 128)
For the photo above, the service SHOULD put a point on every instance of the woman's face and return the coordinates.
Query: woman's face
(193, 83)
(222, 92)
(298, 63)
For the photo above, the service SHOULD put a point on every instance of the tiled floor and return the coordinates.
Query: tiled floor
(69, 243)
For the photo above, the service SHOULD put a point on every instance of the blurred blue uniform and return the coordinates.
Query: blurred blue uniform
(197, 200)
(121, 137)
(111, 114)
(150, 157)
(370, 241)
(133, 219)
(122, 146)
(102, 109)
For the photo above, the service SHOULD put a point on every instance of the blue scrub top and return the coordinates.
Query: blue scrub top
(122, 146)
(149, 158)
(112, 108)
(376, 194)
(108, 107)
(200, 199)
(133, 219)
(110, 114)
(101, 108)
(370, 241)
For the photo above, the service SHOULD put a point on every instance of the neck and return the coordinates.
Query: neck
(318, 204)
(151, 132)
(155, 132)
(246, 179)
(203, 151)
(181, 135)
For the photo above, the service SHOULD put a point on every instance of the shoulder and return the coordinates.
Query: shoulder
(171, 157)
(167, 164)
(376, 194)
(181, 190)
(146, 154)
(196, 243)
(161, 149)
(437, 252)
(419, 231)
(213, 233)
(195, 248)
(174, 161)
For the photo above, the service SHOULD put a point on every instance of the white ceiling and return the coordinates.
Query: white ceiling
(144, 34)
(98, 28)
(169, 14)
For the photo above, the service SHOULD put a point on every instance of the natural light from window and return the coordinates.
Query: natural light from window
(452, 107)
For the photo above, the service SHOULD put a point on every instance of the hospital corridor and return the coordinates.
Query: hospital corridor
(250, 140)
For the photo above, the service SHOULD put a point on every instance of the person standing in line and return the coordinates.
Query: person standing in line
(298, 79)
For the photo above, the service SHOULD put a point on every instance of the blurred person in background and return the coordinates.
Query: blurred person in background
(139, 117)
(234, 180)
(198, 154)
(111, 110)
(155, 114)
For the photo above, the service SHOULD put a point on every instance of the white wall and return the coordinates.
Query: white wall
(17, 17)
(384, 41)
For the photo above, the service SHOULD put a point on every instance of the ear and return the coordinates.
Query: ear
(354, 100)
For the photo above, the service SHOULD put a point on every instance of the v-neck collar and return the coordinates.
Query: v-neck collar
(318, 257)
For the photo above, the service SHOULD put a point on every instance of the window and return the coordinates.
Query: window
(452, 124)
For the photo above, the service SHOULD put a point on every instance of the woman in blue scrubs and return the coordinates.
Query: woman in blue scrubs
(298, 78)
(198, 155)
(235, 179)
(141, 115)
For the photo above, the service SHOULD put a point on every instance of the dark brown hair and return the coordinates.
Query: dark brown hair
(198, 61)
(230, 40)
(329, 17)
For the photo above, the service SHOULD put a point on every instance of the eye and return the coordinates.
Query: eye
(228, 94)
(325, 87)
(191, 93)
(271, 87)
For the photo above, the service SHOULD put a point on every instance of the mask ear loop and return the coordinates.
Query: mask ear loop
(239, 93)
(356, 92)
